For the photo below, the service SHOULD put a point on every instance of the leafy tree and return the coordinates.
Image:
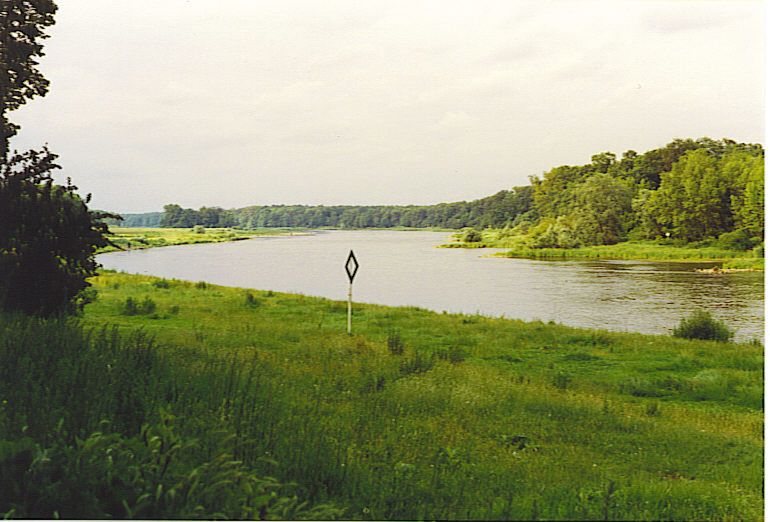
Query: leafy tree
(47, 234)
(47, 238)
(603, 210)
(22, 25)
(748, 200)
(692, 202)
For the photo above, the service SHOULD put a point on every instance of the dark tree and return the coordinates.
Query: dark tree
(22, 26)
(47, 238)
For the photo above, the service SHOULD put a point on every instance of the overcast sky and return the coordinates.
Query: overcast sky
(240, 102)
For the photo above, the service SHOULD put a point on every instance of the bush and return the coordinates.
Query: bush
(199, 229)
(701, 325)
(472, 235)
(736, 240)
(132, 307)
(252, 301)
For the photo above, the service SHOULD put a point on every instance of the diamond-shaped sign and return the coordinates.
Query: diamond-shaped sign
(351, 266)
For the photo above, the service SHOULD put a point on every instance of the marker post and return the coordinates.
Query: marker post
(351, 267)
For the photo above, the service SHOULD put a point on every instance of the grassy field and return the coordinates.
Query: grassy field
(639, 250)
(437, 416)
(137, 238)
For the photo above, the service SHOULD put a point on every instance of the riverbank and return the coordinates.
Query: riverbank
(629, 250)
(427, 415)
(130, 238)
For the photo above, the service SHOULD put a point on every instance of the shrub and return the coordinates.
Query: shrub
(132, 307)
(736, 240)
(252, 301)
(701, 325)
(472, 235)
(199, 229)
(201, 285)
(161, 283)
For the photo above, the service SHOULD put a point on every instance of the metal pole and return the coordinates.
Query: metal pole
(350, 308)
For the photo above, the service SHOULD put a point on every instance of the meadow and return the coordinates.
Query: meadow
(649, 250)
(132, 238)
(418, 415)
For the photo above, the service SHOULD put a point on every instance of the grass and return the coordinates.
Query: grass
(226, 397)
(636, 250)
(424, 415)
(139, 238)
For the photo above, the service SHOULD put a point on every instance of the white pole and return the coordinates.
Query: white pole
(350, 308)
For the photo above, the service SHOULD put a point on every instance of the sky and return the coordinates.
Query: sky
(241, 102)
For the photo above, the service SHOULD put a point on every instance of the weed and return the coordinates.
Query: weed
(395, 343)
(652, 409)
(132, 307)
(416, 364)
(161, 283)
(252, 301)
(561, 380)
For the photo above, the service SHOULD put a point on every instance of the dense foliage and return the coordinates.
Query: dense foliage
(22, 26)
(498, 210)
(47, 234)
(689, 190)
(702, 325)
(47, 238)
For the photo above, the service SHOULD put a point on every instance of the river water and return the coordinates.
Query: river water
(405, 268)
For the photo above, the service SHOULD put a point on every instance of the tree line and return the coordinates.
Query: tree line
(498, 210)
(689, 190)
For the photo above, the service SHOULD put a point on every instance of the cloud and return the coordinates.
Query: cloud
(678, 17)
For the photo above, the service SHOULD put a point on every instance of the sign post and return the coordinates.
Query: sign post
(351, 267)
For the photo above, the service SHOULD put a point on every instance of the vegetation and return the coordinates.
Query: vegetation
(701, 325)
(418, 415)
(23, 27)
(498, 210)
(48, 236)
(126, 238)
(86, 431)
(690, 195)
(697, 194)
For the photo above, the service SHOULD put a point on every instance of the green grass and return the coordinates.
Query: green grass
(477, 418)
(139, 238)
(636, 250)
(418, 415)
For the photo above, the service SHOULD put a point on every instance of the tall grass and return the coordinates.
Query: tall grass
(418, 416)
(424, 415)
(87, 431)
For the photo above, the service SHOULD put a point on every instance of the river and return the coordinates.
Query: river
(405, 268)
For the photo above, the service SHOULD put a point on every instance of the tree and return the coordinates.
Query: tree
(748, 200)
(693, 201)
(22, 25)
(603, 210)
(47, 238)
